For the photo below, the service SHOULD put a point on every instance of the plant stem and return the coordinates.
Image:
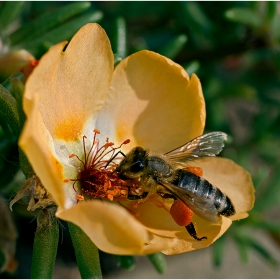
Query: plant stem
(45, 246)
(86, 253)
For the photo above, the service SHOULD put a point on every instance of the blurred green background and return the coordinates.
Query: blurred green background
(233, 47)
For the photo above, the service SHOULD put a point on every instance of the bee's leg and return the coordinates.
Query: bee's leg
(167, 195)
(191, 230)
(137, 197)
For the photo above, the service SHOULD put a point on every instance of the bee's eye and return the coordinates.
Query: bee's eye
(137, 166)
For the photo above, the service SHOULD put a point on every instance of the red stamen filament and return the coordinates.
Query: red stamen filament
(96, 177)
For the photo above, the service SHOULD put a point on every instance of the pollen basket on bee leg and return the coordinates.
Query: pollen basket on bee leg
(181, 213)
(196, 170)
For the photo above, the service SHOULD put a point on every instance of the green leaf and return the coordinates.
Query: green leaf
(2, 259)
(45, 247)
(245, 241)
(7, 130)
(25, 166)
(8, 13)
(217, 115)
(17, 91)
(119, 41)
(192, 67)
(194, 12)
(254, 244)
(7, 83)
(271, 196)
(126, 262)
(218, 251)
(158, 260)
(117, 60)
(260, 176)
(64, 32)
(244, 16)
(271, 7)
(174, 46)
(242, 247)
(8, 167)
(271, 226)
(47, 21)
(242, 90)
(275, 27)
(86, 253)
(8, 110)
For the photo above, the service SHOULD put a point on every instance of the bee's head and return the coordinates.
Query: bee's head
(133, 164)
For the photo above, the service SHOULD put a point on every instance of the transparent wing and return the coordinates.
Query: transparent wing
(201, 206)
(207, 145)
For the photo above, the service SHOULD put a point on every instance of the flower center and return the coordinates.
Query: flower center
(97, 177)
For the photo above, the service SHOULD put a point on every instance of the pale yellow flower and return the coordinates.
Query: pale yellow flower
(149, 99)
(17, 61)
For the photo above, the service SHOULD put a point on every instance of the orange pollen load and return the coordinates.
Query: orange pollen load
(181, 213)
(196, 170)
(97, 177)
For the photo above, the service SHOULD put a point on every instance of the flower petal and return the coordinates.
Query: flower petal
(153, 102)
(73, 83)
(37, 144)
(110, 227)
(231, 179)
(154, 215)
(62, 98)
(213, 232)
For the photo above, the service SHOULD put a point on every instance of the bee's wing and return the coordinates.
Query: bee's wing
(207, 145)
(201, 206)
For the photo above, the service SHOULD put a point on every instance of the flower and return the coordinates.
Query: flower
(17, 61)
(149, 99)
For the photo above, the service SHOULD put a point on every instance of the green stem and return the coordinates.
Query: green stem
(86, 253)
(45, 246)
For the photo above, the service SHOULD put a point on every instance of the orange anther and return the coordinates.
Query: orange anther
(66, 180)
(107, 185)
(97, 131)
(80, 197)
(124, 192)
(126, 141)
(110, 197)
(72, 155)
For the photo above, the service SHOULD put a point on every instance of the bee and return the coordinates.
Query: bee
(166, 175)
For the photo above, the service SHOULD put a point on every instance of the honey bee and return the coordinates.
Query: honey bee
(166, 175)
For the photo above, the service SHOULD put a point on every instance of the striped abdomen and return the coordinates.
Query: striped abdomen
(202, 188)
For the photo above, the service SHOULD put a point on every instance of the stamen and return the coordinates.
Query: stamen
(126, 142)
(74, 155)
(97, 177)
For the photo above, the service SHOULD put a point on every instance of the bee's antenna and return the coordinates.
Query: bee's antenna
(111, 159)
